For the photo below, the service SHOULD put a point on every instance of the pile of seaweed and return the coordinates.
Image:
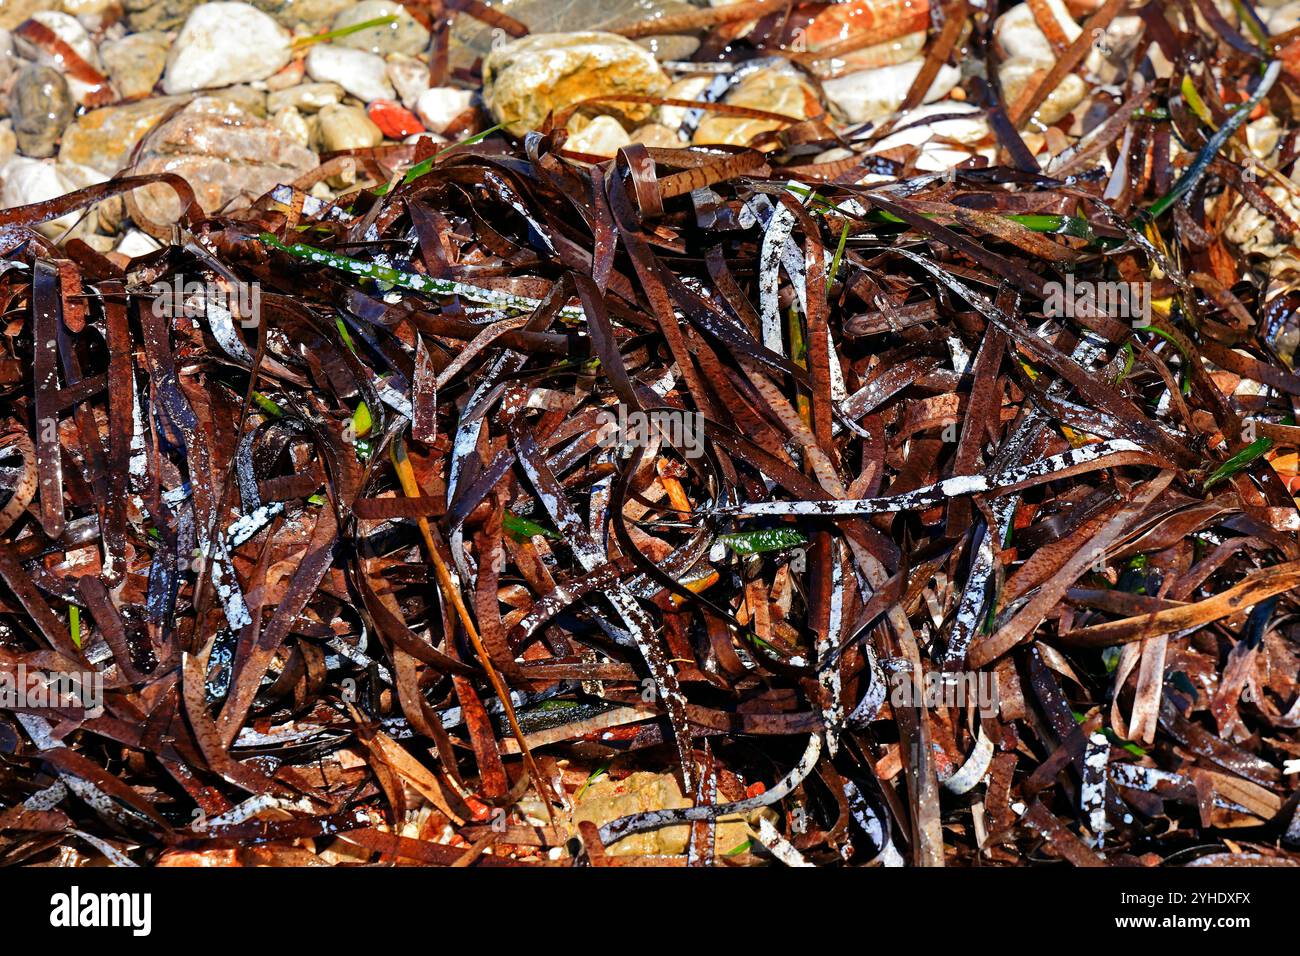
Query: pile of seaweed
(388, 530)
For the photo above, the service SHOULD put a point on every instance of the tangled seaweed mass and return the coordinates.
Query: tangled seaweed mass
(913, 490)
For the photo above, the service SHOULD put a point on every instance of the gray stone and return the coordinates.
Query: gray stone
(404, 36)
(316, 15)
(42, 107)
(674, 46)
(158, 14)
(472, 38)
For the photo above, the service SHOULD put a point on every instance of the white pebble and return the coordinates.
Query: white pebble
(442, 104)
(222, 44)
(362, 74)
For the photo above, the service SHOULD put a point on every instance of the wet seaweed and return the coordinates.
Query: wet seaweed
(854, 511)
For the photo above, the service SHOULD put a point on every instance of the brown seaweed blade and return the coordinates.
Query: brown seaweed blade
(824, 519)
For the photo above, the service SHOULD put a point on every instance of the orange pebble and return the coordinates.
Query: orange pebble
(394, 121)
(478, 809)
(883, 19)
(1290, 57)
(205, 858)
(1287, 464)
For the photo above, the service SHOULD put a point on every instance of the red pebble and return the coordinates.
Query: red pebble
(478, 809)
(394, 121)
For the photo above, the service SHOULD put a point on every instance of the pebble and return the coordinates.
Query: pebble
(67, 29)
(687, 88)
(89, 12)
(158, 14)
(137, 243)
(135, 62)
(409, 76)
(290, 75)
(110, 215)
(1283, 19)
(293, 124)
(775, 90)
(104, 138)
(404, 36)
(671, 47)
(8, 141)
(1108, 62)
(247, 97)
(1263, 135)
(42, 107)
(870, 95)
(223, 44)
(965, 124)
(1015, 75)
(1016, 32)
(876, 55)
(393, 120)
(472, 39)
(602, 136)
(24, 180)
(364, 75)
(307, 97)
(229, 157)
(848, 20)
(1027, 51)
(608, 800)
(78, 176)
(84, 232)
(14, 12)
(438, 107)
(315, 15)
(657, 135)
(545, 72)
(9, 65)
(347, 127)
(1256, 233)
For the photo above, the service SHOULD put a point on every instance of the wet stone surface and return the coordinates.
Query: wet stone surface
(41, 107)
